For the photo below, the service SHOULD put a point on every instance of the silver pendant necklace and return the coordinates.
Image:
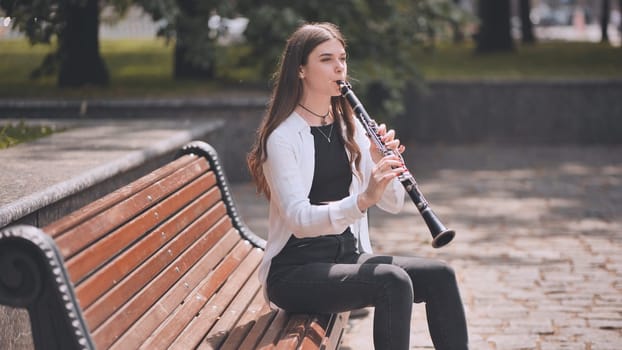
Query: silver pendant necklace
(330, 132)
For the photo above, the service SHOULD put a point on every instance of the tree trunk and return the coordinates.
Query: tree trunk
(190, 28)
(494, 32)
(604, 20)
(458, 34)
(525, 22)
(184, 67)
(80, 61)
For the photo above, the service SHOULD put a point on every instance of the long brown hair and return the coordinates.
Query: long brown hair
(287, 92)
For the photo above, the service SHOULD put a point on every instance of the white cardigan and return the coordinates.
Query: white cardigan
(289, 172)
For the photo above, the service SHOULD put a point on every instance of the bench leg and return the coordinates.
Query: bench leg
(335, 329)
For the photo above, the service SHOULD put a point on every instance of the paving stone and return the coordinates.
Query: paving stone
(562, 346)
(607, 324)
(537, 250)
(514, 341)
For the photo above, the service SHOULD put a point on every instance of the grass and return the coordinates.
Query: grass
(550, 60)
(144, 68)
(12, 134)
(136, 68)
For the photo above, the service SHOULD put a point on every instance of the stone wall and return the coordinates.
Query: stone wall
(521, 113)
(484, 112)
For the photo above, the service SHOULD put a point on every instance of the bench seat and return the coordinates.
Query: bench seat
(164, 262)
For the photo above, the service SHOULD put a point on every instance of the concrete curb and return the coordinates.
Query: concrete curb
(221, 102)
(31, 203)
(125, 108)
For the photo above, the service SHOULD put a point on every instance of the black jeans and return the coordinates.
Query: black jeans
(326, 275)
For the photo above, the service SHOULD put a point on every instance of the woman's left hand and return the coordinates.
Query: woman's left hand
(388, 137)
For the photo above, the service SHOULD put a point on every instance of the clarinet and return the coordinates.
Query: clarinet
(440, 234)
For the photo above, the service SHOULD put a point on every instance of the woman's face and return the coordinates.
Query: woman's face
(325, 65)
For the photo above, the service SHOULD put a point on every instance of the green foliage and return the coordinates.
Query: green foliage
(185, 22)
(38, 19)
(266, 34)
(42, 20)
(11, 134)
(380, 35)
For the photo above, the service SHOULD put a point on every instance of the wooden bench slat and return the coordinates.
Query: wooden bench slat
(195, 327)
(113, 272)
(98, 253)
(313, 338)
(155, 316)
(236, 309)
(271, 333)
(258, 330)
(194, 302)
(293, 333)
(116, 270)
(77, 217)
(149, 295)
(255, 311)
(91, 230)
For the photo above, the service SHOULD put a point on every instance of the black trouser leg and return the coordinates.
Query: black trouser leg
(329, 288)
(434, 283)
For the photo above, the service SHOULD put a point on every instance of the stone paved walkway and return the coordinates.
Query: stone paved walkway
(538, 250)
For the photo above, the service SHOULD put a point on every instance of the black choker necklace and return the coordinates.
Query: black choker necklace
(315, 114)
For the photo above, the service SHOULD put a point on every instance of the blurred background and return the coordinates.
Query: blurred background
(512, 109)
(441, 71)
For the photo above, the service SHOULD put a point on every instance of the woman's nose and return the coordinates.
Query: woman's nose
(340, 66)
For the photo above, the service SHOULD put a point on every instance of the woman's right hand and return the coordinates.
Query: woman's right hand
(387, 169)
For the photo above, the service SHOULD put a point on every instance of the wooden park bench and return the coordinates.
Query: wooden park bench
(164, 262)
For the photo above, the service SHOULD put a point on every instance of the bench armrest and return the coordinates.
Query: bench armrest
(32, 276)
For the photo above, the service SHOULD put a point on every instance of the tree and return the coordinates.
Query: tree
(494, 33)
(191, 35)
(604, 20)
(458, 34)
(381, 39)
(525, 21)
(75, 25)
(79, 57)
(187, 23)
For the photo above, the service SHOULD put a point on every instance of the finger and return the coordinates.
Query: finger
(388, 136)
(391, 160)
(390, 175)
(393, 144)
(387, 168)
(401, 149)
(382, 129)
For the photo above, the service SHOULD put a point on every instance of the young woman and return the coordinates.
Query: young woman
(321, 174)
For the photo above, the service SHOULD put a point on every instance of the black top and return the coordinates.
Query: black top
(333, 175)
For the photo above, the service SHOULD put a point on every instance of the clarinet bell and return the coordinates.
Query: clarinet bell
(443, 238)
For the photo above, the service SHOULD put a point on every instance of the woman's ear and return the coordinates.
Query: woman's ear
(301, 73)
